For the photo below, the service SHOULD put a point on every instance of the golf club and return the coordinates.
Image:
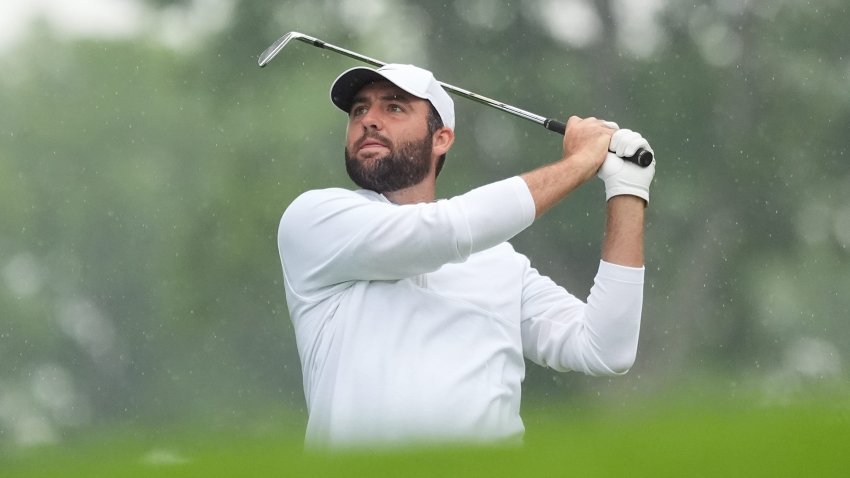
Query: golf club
(642, 157)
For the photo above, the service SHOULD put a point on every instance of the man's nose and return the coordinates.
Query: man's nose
(371, 120)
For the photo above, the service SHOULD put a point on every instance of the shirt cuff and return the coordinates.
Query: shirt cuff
(633, 275)
(523, 195)
(492, 214)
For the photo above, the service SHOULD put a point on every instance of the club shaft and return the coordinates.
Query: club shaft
(642, 157)
(274, 49)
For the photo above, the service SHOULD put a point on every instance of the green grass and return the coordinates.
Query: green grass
(681, 439)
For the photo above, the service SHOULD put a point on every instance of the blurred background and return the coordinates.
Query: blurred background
(145, 161)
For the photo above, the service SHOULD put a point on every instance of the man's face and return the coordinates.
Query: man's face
(388, 146)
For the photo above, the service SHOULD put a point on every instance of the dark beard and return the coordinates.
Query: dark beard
(401, 168)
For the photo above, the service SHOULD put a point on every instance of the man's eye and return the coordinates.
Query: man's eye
(395, 108)
(358, 110)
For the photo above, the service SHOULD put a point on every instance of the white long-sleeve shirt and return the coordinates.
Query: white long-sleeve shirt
(412, 320)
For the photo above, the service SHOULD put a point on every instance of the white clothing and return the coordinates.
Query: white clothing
(412, 320)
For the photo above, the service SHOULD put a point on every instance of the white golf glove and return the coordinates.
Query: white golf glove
(624, 177)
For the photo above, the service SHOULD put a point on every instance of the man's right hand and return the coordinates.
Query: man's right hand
(586, 143)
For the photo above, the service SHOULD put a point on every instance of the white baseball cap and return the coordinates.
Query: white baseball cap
(414, 80)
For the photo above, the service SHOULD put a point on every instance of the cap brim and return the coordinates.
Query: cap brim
(349, 83)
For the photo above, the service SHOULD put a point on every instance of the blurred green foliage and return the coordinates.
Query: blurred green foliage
(142, 183)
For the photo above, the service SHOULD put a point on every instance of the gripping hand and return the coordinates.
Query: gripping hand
(623, 177)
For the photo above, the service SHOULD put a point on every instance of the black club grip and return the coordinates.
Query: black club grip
(641, 157)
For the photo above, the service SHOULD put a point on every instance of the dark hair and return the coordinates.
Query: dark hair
(435, 123)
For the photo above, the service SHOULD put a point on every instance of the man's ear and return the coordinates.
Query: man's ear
(442, 140)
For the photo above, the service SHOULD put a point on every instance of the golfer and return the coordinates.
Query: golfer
(412, 315)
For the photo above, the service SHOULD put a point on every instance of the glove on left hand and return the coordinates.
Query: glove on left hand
(624, 177)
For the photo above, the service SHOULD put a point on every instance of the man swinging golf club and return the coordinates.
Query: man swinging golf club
(412, 315)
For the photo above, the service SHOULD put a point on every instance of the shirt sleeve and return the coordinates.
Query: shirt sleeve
(333, 236)
(599, 337)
